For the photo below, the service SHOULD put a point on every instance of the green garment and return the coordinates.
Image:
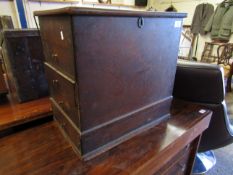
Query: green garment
(221, 22)
(202, 14)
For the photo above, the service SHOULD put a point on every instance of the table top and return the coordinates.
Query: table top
(43, 149)
(12, 114)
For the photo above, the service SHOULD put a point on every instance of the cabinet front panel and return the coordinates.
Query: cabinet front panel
(63, 92)
(57, 43)
(124, 64)
(70, 131)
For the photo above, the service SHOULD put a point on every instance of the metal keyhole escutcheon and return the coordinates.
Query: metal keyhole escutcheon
(140, 22)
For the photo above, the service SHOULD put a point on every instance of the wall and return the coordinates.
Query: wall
(8, 8)
(30, 7)
(187, 6)
(33, 6)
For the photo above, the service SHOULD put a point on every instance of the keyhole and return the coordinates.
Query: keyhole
(140, 22)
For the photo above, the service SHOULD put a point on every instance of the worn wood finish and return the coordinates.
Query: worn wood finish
(109, 72)
(128, 70)
(178, 164)
(58, 54)
(100, 12)
(23, 58)
(58, 86)
(12, 114)
(166, 148)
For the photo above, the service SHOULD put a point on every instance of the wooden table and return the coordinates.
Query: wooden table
(12, 114)
(169, 147)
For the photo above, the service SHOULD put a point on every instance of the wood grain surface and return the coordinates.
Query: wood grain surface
(43, 150)
(12, 114)
(106, 80)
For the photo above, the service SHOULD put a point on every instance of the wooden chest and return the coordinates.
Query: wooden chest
(23, 58)
(110, 73)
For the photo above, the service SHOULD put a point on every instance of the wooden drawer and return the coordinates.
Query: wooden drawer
(178, 164)
(180, 167)
(62, 90)
(57, 42)
(69, 130)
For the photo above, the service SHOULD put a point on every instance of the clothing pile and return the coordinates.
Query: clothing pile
(221, 22)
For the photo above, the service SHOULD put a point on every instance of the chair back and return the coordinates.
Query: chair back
(224, 52)
(203, 84)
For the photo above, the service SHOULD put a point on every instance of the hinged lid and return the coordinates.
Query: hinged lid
(104, 12)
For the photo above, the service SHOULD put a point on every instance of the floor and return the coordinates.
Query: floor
(224, 156)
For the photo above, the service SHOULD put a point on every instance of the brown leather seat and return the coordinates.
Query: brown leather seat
(204, 84)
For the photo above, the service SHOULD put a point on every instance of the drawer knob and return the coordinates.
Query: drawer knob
(183, 167)
(63, 125)
(61, 103)
(55, 57)
(65, 106)
(55, 83)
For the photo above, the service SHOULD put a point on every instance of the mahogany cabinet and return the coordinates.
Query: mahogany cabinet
(23, 59)
(110, 72)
